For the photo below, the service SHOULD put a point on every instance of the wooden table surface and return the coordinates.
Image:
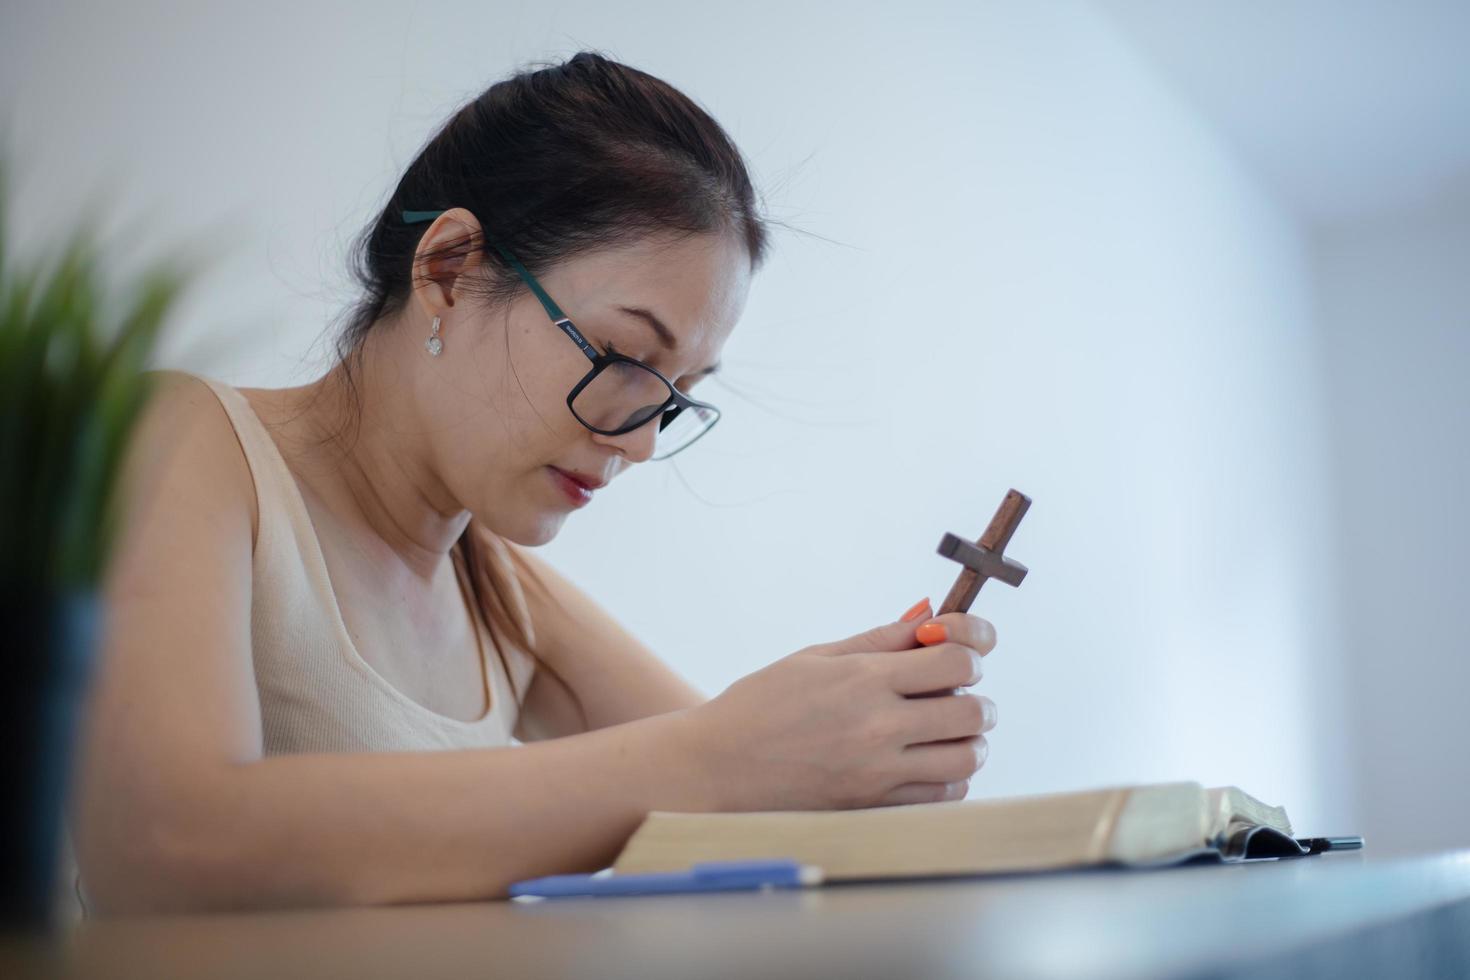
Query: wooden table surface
(1333, 915)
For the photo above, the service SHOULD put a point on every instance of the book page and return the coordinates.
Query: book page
(1230, 804)
(958, 837)
(1160, 821)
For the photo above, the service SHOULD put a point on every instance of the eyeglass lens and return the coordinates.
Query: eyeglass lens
(625, 394)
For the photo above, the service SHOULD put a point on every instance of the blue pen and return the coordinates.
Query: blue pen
(712, 876)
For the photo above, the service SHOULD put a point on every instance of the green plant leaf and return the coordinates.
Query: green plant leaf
(73, 383)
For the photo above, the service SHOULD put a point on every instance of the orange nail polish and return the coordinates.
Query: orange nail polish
(916, 610)
(932, 633)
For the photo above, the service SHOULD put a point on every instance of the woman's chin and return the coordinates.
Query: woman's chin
(538, 530)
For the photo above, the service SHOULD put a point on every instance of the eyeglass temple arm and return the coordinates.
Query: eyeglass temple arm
(552, 310)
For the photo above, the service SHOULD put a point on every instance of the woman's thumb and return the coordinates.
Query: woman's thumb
(897, 635)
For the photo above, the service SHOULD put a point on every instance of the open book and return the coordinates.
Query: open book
(1147, 825)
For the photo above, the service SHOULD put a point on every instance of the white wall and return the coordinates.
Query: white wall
(1031, 266)
(1395, 300)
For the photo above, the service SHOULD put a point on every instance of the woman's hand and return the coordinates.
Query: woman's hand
(872, 720)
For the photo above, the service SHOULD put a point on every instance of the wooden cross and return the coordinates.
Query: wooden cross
(986, 558)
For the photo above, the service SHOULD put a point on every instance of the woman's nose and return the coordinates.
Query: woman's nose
(637, 446)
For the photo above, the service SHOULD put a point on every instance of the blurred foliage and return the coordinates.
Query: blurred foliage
(72, 385)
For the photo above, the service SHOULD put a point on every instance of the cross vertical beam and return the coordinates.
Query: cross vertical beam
(986, 558)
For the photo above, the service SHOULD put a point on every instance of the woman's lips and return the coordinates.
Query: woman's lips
(574, 491)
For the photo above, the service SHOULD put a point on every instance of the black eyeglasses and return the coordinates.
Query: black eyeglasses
(619, 393)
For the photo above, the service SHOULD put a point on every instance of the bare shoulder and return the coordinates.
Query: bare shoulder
(615, 676)
(184, 443)
(173, 696)
(546, 589)
(179, 582)
(179, 578)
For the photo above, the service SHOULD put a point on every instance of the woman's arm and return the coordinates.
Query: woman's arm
(375, 827)
(615, 676)
(173, 806)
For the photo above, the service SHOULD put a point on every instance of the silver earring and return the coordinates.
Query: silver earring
(434, 345)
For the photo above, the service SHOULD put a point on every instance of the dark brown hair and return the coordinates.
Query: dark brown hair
(554, 161)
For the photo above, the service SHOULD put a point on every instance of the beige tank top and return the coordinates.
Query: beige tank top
(316, 693)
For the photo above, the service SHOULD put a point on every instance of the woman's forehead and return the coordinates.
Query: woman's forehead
(695, 283)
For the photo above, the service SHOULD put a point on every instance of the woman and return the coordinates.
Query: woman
(296, 703)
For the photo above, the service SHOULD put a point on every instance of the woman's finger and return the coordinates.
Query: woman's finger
(949, 761)
(926, 669)
(923, 793)
(958, 627)
(944, 717)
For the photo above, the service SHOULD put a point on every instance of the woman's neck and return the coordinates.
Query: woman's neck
(368, 461)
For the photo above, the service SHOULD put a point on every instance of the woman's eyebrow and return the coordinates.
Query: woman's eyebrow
(665, 335)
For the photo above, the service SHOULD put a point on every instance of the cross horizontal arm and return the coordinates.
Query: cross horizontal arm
(986, 563)
(967, 586)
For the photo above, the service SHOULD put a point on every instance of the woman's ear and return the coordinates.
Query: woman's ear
(446, 254)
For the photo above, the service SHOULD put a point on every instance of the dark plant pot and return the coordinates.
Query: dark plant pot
(50, 642)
